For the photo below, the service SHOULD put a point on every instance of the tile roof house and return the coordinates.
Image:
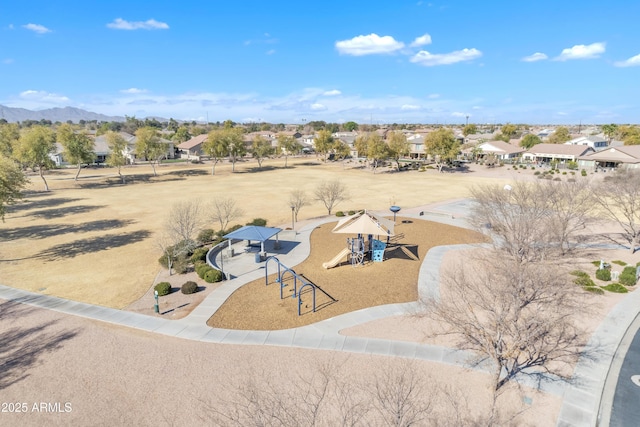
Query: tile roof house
(623, 157)
(502, 150)
(545, 153)
(192, 148)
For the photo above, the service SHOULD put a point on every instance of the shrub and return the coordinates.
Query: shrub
(533, 167)
(615, 288)
(564, 173)
(621, 263)
(583, 172)
(212, 276)
(594, 289)
(351, 213)
(596, 263)
(536, 173)
(572, 172)
(259, 222)
(339, 213)
(557, 178)
(199, 254)
(163, 288)
(603, 274)
(207, 235)
(582, 279)
(181, 265)
(628, 276)
(189, 287)
(572, 165)
(201, 269)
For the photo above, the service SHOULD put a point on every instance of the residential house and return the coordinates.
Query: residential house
(546, 153)
(192, 148)
(594, 141)
(502, 150)
(622, 157)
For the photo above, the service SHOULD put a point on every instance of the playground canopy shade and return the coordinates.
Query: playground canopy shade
(253, 232)
(364, 223)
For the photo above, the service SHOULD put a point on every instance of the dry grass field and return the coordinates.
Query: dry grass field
(95, 240)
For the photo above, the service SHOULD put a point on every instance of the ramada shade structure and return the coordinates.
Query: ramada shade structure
(253, 233)
(365, 223)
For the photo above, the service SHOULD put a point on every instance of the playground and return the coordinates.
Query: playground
(344, 287)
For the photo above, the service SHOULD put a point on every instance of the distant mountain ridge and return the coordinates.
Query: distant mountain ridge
(55, 115)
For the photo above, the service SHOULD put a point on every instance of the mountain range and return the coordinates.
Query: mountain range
(54, 114)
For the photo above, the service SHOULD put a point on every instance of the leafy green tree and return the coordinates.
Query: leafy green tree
(630, 135)
(529, 141)
(362, 145)
(287, 145)
(35, 147)
(398, 146)
(560, 136)
(509, 131)
(216, 146)
(148, 145)
(236, 146)
(182, 134)
(324, 142)
(470, 129)
(9, 135)
(610, 131)
(117, 145)
(377, 150)
(350, 126)
(442, 145)
(260, 149)
(78, 147)
(341, 149)
(12, 181)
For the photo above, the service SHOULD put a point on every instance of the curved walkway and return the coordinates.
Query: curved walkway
(581, 398)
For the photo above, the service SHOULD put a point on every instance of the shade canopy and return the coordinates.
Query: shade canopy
(364, 223)
(253, 232)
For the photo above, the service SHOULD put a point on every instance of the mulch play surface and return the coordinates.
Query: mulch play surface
(341, 289)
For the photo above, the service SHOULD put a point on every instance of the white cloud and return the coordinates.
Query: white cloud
(434, 96)
(634, 61)
(458, 114)
(318, 107)
(476, 107)
(409, 107)
(421, 41)
(150, 24)
(334, 92)
(368, 45)
(430, 59)
(43, 97)
(37, 28)
(271, 52)
(581, 51)
(133, 90)
(538, 56)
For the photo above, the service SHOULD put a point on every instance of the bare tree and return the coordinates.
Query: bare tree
(327, 395)
(533, 221)
(166, 243)
(515, 218)
(520, 317)
(571, 205)
(224, 210)
(298, 199)
(185, 218)
(619, 200)
(331, 193)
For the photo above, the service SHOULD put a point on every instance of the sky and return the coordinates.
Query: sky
(377, 62)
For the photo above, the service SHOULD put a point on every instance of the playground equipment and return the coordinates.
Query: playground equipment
(282, 270)
(335, 260)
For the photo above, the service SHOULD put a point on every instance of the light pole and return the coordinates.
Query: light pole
(156, 308)
(293, 209)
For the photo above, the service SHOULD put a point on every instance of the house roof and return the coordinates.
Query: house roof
(193, 142)
(500, 147)
(559, 149)
(624, 154)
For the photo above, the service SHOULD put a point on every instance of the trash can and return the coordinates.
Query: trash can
(258, 257)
